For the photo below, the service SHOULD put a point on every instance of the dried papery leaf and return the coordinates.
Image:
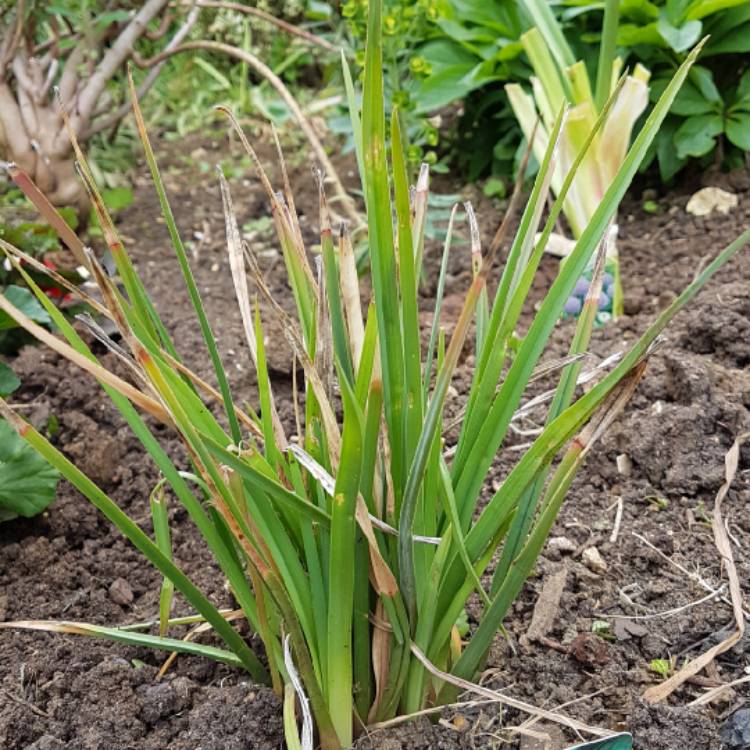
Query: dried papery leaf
(585, 377)
(390, 494)
(237, 266)
(327, 482)
(82, 166)
(476, 241)
(471, 687)
(381, 658)
(265, 182)
(324, 348)
(304, 703)
(328, 417)
(227, 614)
(288, 193)
(284, 320)
(47, 210)
(274, 435)
(381, 576)
(103, 338)
(297, 246)
(612, 406)
(111, 299)
(419, 214)
(350, 295)
(288, 233)
(318, 472)
(553, 365)
(148, 404)
(286, 227)
(482, 310)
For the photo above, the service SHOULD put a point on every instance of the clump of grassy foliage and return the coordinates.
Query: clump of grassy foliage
(352, 547)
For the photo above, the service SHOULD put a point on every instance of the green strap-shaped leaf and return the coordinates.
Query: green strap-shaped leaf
(130, 638)
(623, 741)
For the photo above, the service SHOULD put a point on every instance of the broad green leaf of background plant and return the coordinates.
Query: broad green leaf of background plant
(442, 54)
(639, 11)
(451, 83)
(630, 35)
(730, 31)
(737, 124)
(698, 95)
(500, 15)
(669, 162)
(738, 129)
(679, 38)
(27, 481)
(25, 301)
(702, 8)
(697, 135)
(9, 381)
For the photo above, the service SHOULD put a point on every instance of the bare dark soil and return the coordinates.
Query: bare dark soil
(66, 692)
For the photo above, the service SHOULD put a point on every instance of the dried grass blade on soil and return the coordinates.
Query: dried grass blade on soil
(498, 697)
(662, 691)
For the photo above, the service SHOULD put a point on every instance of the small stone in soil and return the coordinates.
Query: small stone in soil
(736, 731)
(624, 464)
(593, 560)
(625, 629)
(120, 592)
(159, 700)
(561, 544)
(589, 649)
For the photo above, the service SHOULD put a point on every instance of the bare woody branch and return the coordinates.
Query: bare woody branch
(112, 119)
(117, 54)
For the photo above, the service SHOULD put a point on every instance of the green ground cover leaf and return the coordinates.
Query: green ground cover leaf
(27, 481)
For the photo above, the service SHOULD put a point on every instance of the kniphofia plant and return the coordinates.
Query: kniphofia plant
(351, 545)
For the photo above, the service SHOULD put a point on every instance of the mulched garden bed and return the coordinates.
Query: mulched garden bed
(68, 692)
